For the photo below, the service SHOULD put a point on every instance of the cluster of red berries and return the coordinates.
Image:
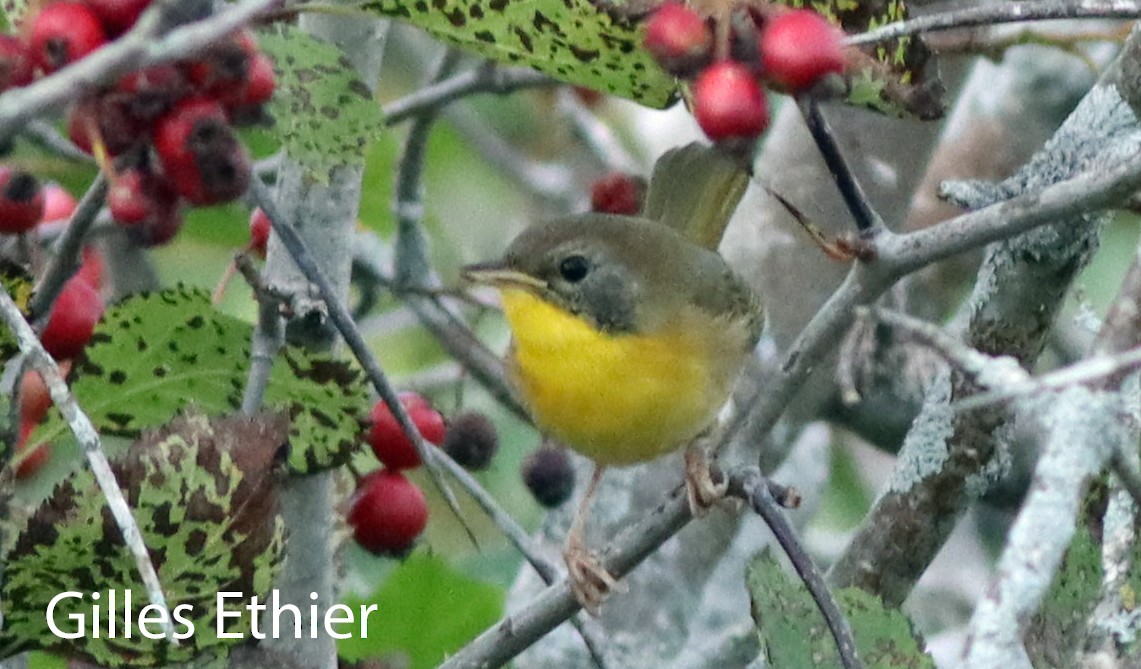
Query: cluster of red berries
(786, 49)
(169, 129)
(388, 512)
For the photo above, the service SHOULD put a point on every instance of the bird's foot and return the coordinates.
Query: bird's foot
(701, 490)
(590, 583)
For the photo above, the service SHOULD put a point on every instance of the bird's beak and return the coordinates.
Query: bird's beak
(497, 274)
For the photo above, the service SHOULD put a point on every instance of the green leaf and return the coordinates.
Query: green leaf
(592, 44)
(325, 115)
(154, 355)
(794, 634)
(204, 492)
(13, 11)
(426, 610)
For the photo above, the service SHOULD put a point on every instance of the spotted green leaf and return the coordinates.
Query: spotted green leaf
(13, 11)
(794, 635)
(572, 40)
(152, 356)
(204, 492)
(325, 116)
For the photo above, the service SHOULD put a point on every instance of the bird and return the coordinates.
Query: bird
(628, 332)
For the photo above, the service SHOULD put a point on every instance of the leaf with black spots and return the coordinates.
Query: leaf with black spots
(153, 355)
(583, 42)
(204, 492)
(325, 116)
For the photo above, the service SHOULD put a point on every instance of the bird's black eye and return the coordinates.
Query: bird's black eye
(574, 268)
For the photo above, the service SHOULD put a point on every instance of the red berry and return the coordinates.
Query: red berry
(117, 15)
(392, 447)
(64, 32)
(260, 82)
(107, 119)
(30, 463)
(202, 157)
(35, 400)
(128, 199)
(146, 205)
(59, 204)
(260, 228)
(91, 269)
(159, 228)
(15, 63)
(678, 38)
(728, 102)
(149, 93)
(618, 193)
(799, 47)
(72, 319)
(223, 69)
(387, 513)
(21, 201)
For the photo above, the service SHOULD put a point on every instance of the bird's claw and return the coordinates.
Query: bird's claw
(701, 490)
(590, 583)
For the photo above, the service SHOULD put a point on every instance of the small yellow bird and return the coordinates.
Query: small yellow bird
(628, 333)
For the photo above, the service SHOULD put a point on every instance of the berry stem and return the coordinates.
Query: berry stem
(224, 282)
(865, 217)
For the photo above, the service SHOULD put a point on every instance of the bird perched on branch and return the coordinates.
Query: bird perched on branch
(628, 332)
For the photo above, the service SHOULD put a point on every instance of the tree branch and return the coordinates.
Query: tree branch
(1009, 12)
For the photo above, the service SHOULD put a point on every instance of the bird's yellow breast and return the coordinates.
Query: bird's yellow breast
(615, 398)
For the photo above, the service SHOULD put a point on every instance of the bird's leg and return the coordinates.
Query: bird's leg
(590, 582)
(701, 490)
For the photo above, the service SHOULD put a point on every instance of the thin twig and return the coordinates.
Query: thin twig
(486, 78)
(88, 438)
(862, 212)
(45, 134)
(598, 137)
(69, 247)
(752, 486)
(343, 322)
(1007, 12)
